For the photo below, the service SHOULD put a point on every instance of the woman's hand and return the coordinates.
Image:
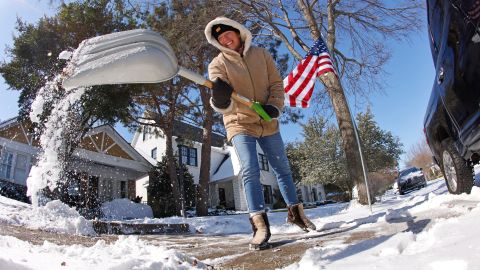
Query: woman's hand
(271, 110)
(221, 93)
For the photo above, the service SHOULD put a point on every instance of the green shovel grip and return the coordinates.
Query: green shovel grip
(257, 107)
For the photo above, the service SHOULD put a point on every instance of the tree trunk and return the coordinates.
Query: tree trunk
(345, 124)
(206, 157)
(173, 173)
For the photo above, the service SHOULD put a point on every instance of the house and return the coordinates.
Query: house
(226, 188)
(105, 166)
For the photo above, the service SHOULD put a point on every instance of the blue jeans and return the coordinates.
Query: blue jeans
(246, 148)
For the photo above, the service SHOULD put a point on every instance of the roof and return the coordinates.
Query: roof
(8, 122)
(229, 167)
(189, 132)
(224, 171)
(193, 133)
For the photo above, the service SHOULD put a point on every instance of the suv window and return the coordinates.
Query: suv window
(408, 171)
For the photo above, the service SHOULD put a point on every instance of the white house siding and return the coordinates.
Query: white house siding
(141, 188)
(145, 147)
(240, 200)
(20, 161)
(213, 194)
(307, 192)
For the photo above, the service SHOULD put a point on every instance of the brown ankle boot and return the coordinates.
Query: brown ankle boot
(296, 216)
(261, 232)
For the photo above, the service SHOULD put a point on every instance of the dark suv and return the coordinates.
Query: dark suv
(409, 179)
(452, 120)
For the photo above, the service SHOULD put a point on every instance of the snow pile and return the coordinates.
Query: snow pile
(124, 254)
(121, 209)
(432, 230)
(435, 201)
(58, 217)
(54, 217)
(446, 245)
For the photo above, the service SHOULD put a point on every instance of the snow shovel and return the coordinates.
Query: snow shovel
(134, 56)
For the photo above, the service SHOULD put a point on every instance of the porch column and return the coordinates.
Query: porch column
(131, 189)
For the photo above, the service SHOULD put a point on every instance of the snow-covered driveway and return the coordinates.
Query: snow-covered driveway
(424, 229)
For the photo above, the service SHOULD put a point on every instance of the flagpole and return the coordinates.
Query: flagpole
(300, 83)
(361, 159)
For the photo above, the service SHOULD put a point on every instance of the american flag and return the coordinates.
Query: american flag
(299, 83)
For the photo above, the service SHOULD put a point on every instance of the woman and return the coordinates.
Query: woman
(251, 71)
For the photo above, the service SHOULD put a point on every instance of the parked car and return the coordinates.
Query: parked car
(337, 196)
(452, 119)
(410, 178)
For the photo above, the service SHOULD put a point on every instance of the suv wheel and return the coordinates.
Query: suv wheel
(457, 172)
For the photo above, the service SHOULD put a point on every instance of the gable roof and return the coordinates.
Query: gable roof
(13, 130)
(189, 132)
(99, 142)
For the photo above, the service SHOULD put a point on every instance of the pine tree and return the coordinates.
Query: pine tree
(160, 193)
(381, 148)
(320, 158)
(37, 46)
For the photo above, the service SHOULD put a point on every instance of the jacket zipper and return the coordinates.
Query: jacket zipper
(253, 87)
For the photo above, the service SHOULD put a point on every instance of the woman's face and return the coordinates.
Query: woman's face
(230, 39)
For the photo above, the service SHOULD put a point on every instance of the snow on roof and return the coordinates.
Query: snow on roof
(8, 122)
(229, 167)
(225, 171)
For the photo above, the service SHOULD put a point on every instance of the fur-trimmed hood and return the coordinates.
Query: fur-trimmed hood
(245, 34)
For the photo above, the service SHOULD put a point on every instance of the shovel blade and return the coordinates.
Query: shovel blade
(135, 56)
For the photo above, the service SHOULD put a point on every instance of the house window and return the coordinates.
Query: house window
(267, 194)
(123, 189)
(20, 173)
(187, 155)
(154, 153)
(262, 159)
(6, 163)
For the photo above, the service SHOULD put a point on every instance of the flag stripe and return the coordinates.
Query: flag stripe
(294, 81)
(299, 84)
(304, 81)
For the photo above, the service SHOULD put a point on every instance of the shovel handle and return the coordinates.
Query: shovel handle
(254, 105)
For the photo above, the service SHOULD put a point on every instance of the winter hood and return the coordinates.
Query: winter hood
(245, 34)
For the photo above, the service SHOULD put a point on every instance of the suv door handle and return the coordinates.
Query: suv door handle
(440, 76)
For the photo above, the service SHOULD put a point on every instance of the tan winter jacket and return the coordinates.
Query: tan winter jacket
(254, 76)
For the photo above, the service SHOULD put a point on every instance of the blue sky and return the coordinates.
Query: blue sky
(400, 109)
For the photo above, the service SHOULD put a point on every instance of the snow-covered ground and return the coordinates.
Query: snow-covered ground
(448, 242)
